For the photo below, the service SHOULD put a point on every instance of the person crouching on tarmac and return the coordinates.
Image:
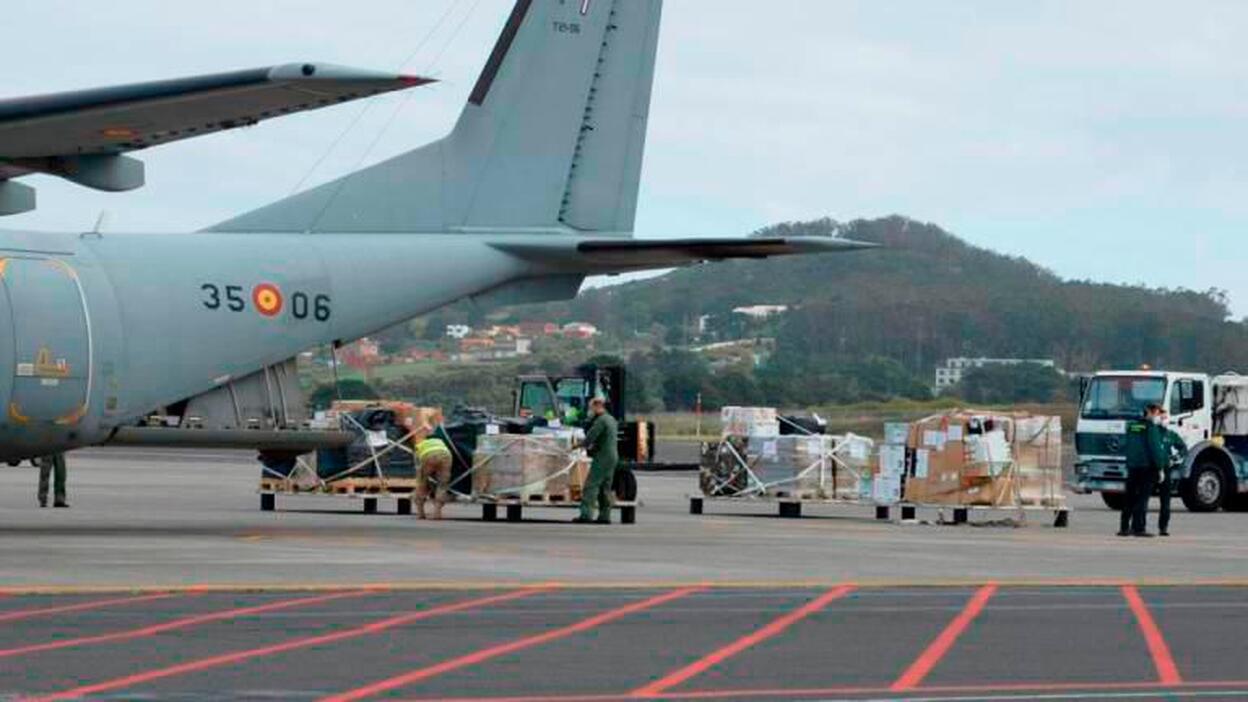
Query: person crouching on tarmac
(601, 442)
(435, 463)
(1147, 457)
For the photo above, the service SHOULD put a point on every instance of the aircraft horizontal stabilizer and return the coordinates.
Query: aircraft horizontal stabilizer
(597, 256)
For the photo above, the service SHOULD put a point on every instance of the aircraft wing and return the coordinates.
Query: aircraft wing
(82, 136)
(623, 255)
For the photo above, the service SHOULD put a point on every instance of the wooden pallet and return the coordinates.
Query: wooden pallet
(535, 499)
(353, 486)
(798, 495)
(372, 486)
(961, 513)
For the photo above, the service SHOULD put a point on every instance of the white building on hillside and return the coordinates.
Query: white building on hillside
(762, 311)
(952, 372)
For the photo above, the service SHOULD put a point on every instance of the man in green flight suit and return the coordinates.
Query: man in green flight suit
(601, 442)
(52, 467)
(1147, 457)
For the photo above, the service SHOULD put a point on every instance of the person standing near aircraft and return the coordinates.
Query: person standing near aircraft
(52, 466)
(1147, 456)
(601, 442)
(1175, 449)
(435, 463)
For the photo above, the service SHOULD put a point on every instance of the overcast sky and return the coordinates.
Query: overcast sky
(1102, 139)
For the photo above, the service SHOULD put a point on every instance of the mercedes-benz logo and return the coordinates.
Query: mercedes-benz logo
(1113, 443)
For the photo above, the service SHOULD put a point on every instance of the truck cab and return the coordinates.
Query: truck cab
(1210, 475)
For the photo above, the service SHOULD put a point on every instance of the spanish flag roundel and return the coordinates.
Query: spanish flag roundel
(268, 299)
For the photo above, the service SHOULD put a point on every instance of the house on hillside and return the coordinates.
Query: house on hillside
(504, 331)
(458, 331)
(537, 330)
(361, 355)
(579, 330)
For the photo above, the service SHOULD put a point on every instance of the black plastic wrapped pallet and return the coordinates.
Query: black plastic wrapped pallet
(802, 426)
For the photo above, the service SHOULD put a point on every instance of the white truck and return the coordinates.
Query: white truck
(1210, 413)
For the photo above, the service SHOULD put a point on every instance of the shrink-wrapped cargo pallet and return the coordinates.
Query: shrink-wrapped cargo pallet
(814, 467)
(385, 450)
(985, 459)
(531, 467)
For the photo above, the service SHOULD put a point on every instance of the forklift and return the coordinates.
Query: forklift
(564, 399)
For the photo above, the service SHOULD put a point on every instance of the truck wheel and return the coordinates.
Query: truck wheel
(1205, 490)
(624, 485)
(1114, 500)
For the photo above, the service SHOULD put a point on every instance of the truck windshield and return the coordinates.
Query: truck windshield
(1122, 397)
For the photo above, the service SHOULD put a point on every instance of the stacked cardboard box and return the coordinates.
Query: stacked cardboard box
(853, 468)
(750, 421)
(989, 459)
(524, 466)
(1038, 460)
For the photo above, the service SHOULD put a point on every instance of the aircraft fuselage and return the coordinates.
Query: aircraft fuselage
(104, 329)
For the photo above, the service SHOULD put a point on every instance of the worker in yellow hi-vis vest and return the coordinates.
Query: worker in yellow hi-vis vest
(435, 463)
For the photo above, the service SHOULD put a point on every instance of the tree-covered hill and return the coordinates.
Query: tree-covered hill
(926, 296)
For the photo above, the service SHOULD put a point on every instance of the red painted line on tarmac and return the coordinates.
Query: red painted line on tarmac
(175, 624)
(940, 646)
(81, 606)
(1039, 688)
(774, 628)
(491, 652)
(1167, 671)
(291, 645)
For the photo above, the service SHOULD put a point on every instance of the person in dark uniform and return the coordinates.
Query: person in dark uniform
(52, 466)
(1146, 459)
(1175, 450)
(602, 444)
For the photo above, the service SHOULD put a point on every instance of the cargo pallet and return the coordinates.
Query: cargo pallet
(788, 504)
(514, 506)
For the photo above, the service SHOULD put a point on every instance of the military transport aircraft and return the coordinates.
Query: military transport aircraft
(533, 190)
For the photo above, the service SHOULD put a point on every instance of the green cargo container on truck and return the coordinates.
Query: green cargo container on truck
(1210, 413)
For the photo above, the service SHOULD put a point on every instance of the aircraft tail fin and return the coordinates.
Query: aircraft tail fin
(551, 138)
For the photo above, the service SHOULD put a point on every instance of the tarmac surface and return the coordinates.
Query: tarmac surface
(562, 644)
(164, 518)
(165, 581)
